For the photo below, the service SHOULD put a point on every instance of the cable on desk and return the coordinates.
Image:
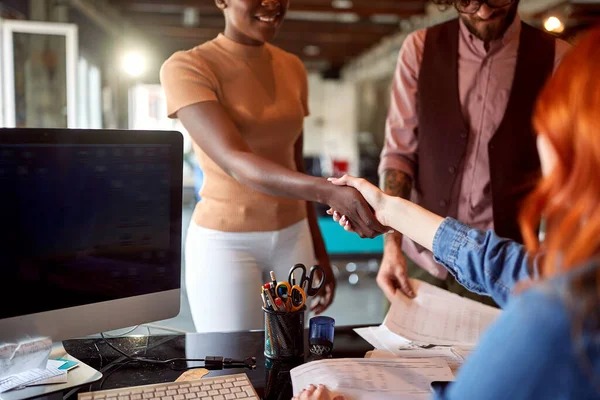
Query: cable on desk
(121, 334)
(165, 328)
(211, 362)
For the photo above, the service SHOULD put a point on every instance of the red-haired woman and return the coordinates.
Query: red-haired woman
(546, 344)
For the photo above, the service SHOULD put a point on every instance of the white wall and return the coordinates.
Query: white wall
(331, 129)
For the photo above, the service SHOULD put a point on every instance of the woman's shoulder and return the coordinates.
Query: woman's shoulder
(287, 57)
(560, 302)
(201, 55)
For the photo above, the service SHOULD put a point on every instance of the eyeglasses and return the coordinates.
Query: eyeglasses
(472, 6)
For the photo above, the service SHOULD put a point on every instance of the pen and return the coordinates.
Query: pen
(271, 301)
(269, 305)
(264, 299)
(273, 280)
(271, 289)
(280, 305)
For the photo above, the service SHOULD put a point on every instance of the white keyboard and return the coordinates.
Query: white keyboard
(226, 387)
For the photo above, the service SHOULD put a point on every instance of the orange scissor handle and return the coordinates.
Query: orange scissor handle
(297, 298)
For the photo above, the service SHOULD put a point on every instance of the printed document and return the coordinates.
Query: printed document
(447, 354)
(438, 317)
(365, 378)
(20, 357)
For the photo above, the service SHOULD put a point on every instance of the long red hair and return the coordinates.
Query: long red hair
(567, 113)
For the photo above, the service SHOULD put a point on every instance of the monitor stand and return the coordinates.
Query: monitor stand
(79, 376)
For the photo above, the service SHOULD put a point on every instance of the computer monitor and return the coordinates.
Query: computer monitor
(90, 230)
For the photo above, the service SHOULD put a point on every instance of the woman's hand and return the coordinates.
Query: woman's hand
(371, 193)
(325, 296)
(320, 392)
(349, 202)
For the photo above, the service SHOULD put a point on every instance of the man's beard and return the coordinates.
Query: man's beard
(492, 31)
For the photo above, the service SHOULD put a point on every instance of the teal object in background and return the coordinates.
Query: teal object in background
(338, 241)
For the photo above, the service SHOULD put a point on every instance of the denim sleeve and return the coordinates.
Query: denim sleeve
(481, 261)
(525, 355)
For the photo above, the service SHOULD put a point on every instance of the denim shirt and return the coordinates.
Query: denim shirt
(530, 351)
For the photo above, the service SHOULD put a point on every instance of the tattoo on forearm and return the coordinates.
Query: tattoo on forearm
(396, 183)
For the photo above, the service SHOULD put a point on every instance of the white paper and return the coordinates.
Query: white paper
(364, 378)
(463, 351)
(381, 337)
(438, 317)
(453, 360)
(28, 377)
(20, 357)
(62, 378)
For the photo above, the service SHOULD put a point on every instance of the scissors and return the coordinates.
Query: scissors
(283, 290)
(296, 298)
(307, 282)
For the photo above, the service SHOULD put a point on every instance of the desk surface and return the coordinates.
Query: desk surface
(271, 379)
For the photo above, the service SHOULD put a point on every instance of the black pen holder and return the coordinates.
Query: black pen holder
(284, 334)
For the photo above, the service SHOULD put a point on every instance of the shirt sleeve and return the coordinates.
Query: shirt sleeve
(400, 146)
(525, 354)
(186, 80)
(481, 261)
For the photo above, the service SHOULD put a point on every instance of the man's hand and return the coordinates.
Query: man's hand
(393, 274)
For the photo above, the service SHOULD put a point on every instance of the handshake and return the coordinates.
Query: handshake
(359, 207)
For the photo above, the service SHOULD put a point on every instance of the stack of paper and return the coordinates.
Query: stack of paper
(55, 371)
(453, 360)
(436, 323)
(30, 377)
(363, 378)
(23, 356)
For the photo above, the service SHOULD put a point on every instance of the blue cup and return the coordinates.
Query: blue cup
(320, 337)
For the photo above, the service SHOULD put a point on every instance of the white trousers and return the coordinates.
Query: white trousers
(225, 270)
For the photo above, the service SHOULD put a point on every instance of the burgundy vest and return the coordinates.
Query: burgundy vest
(443, 133)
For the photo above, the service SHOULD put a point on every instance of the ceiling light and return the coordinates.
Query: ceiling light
(191, 17)
(553, 24)
(325, 16)
(385, 19)
(312, 50)
(344, 4)
(134, 64)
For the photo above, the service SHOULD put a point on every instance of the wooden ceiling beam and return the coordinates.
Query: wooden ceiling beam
(289, 25)
(301, 36)
(400, 8)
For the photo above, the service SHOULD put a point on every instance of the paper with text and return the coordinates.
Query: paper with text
(438, 317)
(453, 360)
(20, 357)
(28, 377)
(364, 378)
(62, 378)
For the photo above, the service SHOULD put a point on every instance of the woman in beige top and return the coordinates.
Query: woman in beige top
(243, 102)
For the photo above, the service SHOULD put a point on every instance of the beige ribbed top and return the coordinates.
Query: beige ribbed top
(265, 92)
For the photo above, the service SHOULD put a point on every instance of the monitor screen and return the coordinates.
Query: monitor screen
(88, 217)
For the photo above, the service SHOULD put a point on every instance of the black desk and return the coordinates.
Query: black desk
(271, 379)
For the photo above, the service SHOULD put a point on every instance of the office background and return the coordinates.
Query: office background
(97, 67)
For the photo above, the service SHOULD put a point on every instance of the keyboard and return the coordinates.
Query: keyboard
(226, 387)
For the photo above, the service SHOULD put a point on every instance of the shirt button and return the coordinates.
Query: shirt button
(463, 135)
(443, 203)
(452, 170)
(479, 97)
